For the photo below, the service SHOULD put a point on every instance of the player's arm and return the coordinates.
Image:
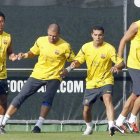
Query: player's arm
(127, 37)
(12, 56)
(79, 59)
(117, 60)
(28, 54)
(73, 65)
(118, 67)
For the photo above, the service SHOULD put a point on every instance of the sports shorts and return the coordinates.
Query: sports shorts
(3, 87)
(135, 76)
(91, 95)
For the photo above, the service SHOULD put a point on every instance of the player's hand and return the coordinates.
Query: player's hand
(22, 55)
(114, 69)
(73, 65)
(64, 73)
(13, 57)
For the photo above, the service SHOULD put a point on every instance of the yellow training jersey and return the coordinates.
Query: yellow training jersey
(5, 40)
(99, 62)
(134, 53)
(52, 58)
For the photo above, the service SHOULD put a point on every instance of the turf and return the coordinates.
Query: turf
(67, 136)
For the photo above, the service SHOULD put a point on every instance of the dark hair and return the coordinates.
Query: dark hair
(98, 28)
(2, 15)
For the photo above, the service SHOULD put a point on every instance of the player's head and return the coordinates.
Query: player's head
(98, 34)
(2, 15)
(2, 21)
(100, 28)
(53, 33)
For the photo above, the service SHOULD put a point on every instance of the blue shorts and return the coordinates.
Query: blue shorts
(135, 76)
(3, 87)
(91, 95)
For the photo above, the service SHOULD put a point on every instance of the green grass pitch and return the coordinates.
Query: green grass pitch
(67, 136)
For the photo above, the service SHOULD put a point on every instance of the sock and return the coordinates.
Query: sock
(111, 124)
(1, 118)
(89, 124)
(5, 119)
(132, 118)
(120, 120)
(40, 122)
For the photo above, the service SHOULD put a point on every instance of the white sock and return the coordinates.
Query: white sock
(1, 118)
(120, 120)
(132, 118)
(5, 119)
(89, 124)
(111, 124)
(40, 122)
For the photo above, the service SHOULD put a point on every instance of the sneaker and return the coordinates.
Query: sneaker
(2, 131)
(112, 131)
(88, 131)
(129, 126)
(134, 127)
(120, 129)
(123, 127)
(36, 130)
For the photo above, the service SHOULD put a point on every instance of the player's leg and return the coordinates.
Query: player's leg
(90, 97)
(132, 120)
(3, 106)
(3, 101)
(128, 105)
(29, 88)
(135, 109)
(107, 99)
(88, 119)
(136, 89)
(135, 76)
(51, 89)
(43, 113)
(125, 111)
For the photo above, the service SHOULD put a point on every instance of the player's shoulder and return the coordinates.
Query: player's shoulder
(108, 45)
(87, 45)
(64, 43)
(136, 23)
(6, 34)
(42, 38)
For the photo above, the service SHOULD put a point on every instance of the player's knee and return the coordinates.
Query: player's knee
(46, 103)
(16, 102)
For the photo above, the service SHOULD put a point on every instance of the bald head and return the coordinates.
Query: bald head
(54, 27)
(53, 33)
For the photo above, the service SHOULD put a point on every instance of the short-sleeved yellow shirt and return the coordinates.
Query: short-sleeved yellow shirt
(52, 58)
(5, 40)
(134, 52)
(99, 62)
